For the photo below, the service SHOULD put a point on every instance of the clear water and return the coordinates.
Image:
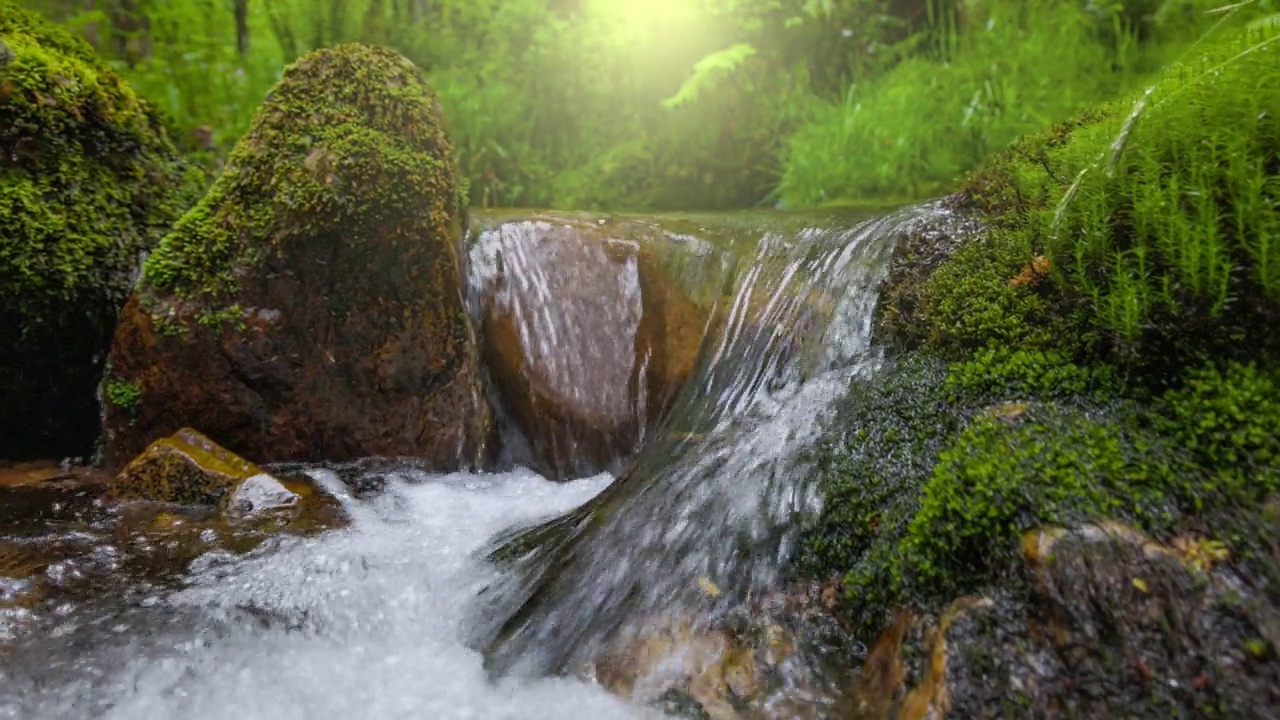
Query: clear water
(363, 622)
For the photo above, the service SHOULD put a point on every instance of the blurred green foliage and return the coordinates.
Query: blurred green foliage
(670, 104)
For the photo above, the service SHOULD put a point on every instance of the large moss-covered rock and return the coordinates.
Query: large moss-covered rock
(88, 181)
(310, 307)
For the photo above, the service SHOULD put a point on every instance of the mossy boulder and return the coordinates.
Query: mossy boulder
(187, 468)
(89, 181)
(931, 471)
(586, 337)
(311, 305)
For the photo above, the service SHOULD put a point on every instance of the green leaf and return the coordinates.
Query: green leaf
(708, 70)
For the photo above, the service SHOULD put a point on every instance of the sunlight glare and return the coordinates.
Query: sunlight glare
(653, 12)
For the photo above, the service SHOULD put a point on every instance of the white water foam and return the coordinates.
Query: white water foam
(363, 622)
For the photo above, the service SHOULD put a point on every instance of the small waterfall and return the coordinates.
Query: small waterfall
(564, 314)
(712, 500)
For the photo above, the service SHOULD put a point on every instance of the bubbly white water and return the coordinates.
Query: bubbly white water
(363, 622)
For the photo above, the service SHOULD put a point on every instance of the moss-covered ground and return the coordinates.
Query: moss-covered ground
(1104, 349)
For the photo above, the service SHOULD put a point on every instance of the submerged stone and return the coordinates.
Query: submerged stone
(311, 307)
(89, 181)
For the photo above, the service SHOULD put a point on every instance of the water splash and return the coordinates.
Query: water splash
(360, 622)
(714, 499)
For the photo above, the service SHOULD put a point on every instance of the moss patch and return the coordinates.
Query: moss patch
(122, 394)
(1055, 466)
(928, 485)
(184, 468)
(352, 138)
(90, 181)
(1140, 233)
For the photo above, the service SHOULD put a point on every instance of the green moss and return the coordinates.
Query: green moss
(927, 488)
(998, 371)
(93, 178)
(872, 464)
(122, 394)
(90, 181)
(1159, 215)
(994, 290)
(1142, 232)
(1120, 249)
(1058, 466)
(350, 136)
(969, 301)
(1229, 418)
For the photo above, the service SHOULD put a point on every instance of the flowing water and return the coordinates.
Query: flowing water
(403, 614)
(714, 501)
(363, 622)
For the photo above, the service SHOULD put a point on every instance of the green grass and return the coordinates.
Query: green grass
(1007, 70)
(1159, 215)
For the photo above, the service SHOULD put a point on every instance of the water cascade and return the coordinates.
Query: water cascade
(404, 612)
(710, 505)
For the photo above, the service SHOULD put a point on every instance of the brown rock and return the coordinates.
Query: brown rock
(311, 306)
(675, 656)
(587, 341)
(1110, 624)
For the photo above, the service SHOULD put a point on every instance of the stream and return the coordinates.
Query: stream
(361, 622)
(403, 613)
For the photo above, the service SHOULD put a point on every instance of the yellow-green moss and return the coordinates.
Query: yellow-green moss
(351, 135)
(186, 468)
(1142, 232)
(90, 181)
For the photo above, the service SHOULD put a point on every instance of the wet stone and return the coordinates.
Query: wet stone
(1104, 622)
(260, 493)
(185, 468)
(585, 335)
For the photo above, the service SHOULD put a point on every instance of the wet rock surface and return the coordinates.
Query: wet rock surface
(311, 306)
(1108, 623)
(782, 656)
(586, 336)
(186, 468)
(66, 541)
(920, 252)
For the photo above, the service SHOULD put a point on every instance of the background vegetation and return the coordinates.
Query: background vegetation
(672, 103)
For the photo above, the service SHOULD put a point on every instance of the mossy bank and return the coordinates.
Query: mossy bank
(310, 307)
(89, 180)
(1103, 350)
